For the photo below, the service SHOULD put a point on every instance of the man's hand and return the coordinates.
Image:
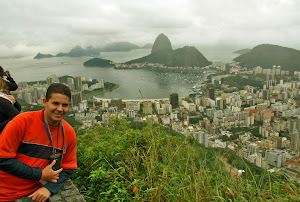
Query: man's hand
(41, 195)
(49, 175)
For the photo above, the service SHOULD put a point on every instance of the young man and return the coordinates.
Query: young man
(29, 141)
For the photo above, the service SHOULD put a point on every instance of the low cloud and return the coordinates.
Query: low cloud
(29, 27)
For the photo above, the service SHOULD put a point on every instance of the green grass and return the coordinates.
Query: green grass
(107, 87)
(119, 163)
(240, 82)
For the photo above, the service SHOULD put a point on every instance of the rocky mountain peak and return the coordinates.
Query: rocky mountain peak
(161, 43)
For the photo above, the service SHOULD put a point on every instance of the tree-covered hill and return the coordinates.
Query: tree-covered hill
(161, 57)
(145, 162)
(163, 53)
(187, 56)
(267, 55)
(98, 62)
(240, 82)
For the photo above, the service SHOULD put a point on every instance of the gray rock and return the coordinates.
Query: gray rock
(68, 193)
(68, 185)
(77, 198)
(56, 198)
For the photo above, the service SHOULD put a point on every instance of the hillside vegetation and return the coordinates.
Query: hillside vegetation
(145, 162)
(240, 82)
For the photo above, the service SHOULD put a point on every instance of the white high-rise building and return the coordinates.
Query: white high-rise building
(52, 79)
(276, 157)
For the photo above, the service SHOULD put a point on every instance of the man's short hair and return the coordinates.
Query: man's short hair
(58, 88)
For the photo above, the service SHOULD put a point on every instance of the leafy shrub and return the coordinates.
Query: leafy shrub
(151, 164)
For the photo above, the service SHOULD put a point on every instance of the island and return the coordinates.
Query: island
(98, 62)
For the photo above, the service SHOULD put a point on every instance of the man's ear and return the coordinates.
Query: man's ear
(44, 101)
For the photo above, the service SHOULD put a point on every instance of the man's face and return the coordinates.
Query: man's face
(56, 108)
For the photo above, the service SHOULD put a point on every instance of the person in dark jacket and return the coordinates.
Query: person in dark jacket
(9, 107)
(11, 84)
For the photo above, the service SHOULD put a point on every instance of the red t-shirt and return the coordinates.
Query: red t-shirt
(25, 139)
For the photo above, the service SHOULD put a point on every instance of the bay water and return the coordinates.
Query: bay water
(133, 84)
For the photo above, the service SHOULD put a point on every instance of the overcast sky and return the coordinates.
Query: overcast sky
(32, 26)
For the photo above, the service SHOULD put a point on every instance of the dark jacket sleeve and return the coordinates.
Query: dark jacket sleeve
(7, 112)
(19, 169)
(63, 176)
(12, 85)
(18, 106)
(22, 170)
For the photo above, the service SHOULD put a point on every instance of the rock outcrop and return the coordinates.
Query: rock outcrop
(68, 193)
(163, 53)
(161, 43)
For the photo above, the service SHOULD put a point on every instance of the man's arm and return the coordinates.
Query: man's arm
(63, 176)
(50, 188)
(19, 169)
(12, 85)
(22, 170)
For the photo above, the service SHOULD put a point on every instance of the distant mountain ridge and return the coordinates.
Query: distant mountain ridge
(119, 47)
(163, 53)
(78, 51)
(242, 51)
(268, 55)
(41, 56)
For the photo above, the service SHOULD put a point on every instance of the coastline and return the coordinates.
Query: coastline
(126, 100)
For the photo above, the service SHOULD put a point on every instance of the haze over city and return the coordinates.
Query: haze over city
(29, 27)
